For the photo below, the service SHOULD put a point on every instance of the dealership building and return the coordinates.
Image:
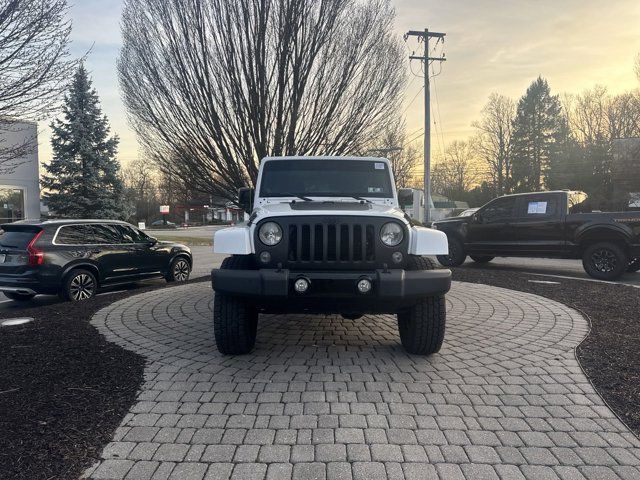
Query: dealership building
(19, 176)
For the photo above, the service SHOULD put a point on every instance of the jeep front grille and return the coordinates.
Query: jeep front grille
(319, 242)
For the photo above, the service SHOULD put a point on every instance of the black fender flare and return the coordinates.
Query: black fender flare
(600, 231)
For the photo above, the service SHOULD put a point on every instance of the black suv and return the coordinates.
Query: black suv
(73, 258)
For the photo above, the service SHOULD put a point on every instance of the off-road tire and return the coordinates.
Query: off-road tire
(422, 325)
(634, 265)
(19, 297)
(481, 258)
(456, 256)
(79, 285)
(179, 270)
(235, 322)
(605, 261)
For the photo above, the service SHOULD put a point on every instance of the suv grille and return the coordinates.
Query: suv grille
(331, 242)
(319, 242)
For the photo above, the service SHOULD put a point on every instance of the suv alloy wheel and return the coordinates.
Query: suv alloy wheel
(179, 270)
(79, 285)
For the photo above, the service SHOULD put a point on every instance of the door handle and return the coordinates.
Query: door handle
(96, 250)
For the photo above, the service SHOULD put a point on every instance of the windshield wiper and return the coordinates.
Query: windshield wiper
(361, 199)
(301, 197)
(8, 246)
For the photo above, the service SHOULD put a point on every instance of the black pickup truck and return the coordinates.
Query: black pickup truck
(554, 224)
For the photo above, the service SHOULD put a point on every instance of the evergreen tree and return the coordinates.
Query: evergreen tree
(538, 131)
(83, 178)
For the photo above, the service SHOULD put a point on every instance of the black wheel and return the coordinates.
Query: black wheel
(79, 285)
(605, 261)
(456, 256)
(634, 265)
(481, 258)
(179, 270)
(19, 297)
(422, 325)
(235, 322)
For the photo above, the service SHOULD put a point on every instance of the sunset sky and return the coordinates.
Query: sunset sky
(491, 46)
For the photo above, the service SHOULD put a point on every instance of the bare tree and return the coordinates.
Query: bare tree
(393, 145)
(494, 139)
(142, 184)
(213, 86)
(34, 68)
(587, 115)
(623, 115)
(597, 118)
(457, 172)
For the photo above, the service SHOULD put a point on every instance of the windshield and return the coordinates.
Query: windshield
(326, 178)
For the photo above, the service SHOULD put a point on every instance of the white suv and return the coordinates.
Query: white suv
(327, 235)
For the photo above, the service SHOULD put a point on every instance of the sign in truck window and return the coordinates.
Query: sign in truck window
(537, 208)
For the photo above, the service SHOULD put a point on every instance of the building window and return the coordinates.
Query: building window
(11, 204)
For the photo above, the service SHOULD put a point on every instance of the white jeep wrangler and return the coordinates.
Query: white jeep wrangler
(327, 235)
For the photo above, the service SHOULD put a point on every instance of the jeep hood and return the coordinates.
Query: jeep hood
(332, 208)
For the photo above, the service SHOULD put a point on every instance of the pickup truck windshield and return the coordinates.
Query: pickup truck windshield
(326, 178)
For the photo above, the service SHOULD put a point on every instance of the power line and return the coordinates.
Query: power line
(413, 99)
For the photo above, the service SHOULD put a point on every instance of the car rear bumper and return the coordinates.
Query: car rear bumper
(332, 291)
(28, 285)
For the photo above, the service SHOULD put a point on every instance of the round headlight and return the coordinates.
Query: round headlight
(270, 233)
(391, 234)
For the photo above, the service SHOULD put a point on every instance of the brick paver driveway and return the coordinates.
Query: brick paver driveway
(322, 397)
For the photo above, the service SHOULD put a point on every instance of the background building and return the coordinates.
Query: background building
(19, 178)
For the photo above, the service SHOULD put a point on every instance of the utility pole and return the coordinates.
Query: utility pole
(426, 60)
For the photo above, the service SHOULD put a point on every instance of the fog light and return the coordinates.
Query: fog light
(396, 257)
(301, 285)
(265, 257)
(364, 285)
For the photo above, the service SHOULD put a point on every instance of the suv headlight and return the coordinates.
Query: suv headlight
(391, 234)
(270, 233)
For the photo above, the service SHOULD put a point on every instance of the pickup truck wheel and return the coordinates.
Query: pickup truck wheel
(235, 323)
(605, 261)
(422, 326)
(634, 265)
(481, 258)
(456, 256)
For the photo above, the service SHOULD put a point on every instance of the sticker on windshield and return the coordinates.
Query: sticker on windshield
(379, 166)
(374, 189)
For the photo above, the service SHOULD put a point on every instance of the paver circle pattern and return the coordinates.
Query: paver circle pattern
(322, 397)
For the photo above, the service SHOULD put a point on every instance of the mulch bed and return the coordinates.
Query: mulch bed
(63, 389)
(610, 355)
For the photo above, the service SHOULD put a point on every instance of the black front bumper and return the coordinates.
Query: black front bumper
(332, 292)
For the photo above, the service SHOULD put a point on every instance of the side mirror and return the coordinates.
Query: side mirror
(405, 197)
(477, 218)
(152, 241)
(245, 198)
